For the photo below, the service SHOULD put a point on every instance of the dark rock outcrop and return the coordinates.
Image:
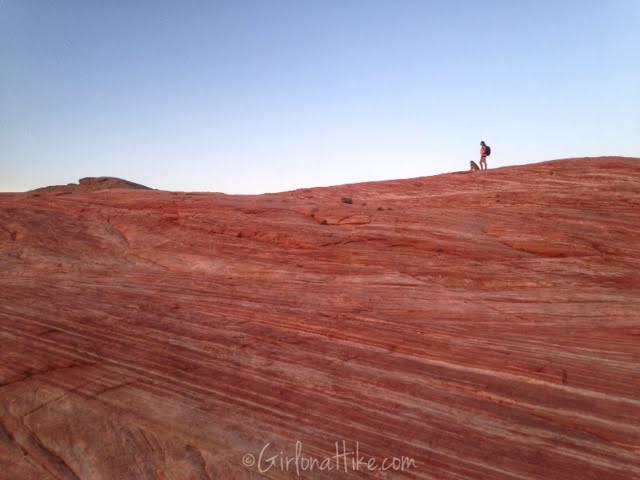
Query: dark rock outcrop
(91, 184)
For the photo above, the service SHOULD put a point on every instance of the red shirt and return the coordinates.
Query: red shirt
(483, 150)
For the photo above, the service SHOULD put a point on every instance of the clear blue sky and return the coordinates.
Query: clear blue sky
(254, 96)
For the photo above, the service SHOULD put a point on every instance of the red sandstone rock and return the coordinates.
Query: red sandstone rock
(485, 325)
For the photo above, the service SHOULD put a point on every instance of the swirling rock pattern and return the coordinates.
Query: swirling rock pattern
(484, 325)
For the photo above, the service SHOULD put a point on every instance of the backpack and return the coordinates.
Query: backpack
(487, 150)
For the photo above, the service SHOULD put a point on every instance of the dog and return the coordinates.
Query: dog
(474, 166)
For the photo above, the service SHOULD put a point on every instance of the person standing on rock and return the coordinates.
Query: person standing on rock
(485, 151)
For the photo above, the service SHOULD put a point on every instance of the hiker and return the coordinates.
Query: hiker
(485, 151)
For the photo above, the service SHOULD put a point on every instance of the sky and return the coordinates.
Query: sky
(252, 96)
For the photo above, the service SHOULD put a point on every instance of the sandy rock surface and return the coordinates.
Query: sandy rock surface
(485, 325)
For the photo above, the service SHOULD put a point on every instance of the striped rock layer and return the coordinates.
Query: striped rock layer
(483, 325)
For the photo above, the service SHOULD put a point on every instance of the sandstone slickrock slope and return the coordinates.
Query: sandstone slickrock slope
(485, 325)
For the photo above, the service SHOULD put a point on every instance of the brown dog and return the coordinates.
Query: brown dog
(474, 166)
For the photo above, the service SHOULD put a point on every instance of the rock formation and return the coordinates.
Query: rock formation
(483, 325)
(91, 184)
